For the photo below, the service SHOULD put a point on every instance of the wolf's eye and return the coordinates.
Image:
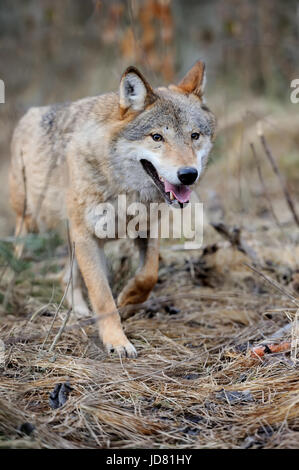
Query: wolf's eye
(157, 137)
(195, 136)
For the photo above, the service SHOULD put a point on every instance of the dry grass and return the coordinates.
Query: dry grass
(172, 395)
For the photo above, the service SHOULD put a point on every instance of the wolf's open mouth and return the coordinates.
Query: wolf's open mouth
(171, 192)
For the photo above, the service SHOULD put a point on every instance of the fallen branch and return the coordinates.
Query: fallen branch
(233, 235)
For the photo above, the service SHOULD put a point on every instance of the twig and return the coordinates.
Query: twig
(41, 309)
(233, 235)
(274, 284)
(70, 280)
(281, 332)
(281, 180)
(266, 195)
(66, 319)
(61, 329)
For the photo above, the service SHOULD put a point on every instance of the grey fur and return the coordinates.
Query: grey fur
(173, 112)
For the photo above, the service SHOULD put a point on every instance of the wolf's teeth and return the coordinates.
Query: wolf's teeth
(171, 196)
(162, 179)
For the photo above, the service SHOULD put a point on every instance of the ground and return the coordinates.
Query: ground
(195, 383)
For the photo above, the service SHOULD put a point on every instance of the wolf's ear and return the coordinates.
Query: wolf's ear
(135, 92)
(194, 80)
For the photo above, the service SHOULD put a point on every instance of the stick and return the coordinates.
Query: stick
(61, 329)
(64, 295)
(281, 180)
(274, 284)
(66, 319)
(266, 195)
(233, 235)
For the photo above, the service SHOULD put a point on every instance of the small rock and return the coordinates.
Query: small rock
(59, 395)
(171, 310)
(191, 431)
(26, 428)
(191, 376)
(193, 418)
(234, 397)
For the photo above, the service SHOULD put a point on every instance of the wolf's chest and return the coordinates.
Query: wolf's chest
(123, 217)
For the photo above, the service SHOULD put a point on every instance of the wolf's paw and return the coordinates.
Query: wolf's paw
(76, 300)
(82, 310)
(125, 350)
(115, 341)
(133, 294)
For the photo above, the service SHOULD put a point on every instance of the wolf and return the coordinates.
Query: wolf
(151, 144)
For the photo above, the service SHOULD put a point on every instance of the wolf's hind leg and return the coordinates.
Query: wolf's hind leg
(24, 225)
(20, 232)
(138, 288)
(75, 297)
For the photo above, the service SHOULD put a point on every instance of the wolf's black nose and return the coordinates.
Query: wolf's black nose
(187, 175)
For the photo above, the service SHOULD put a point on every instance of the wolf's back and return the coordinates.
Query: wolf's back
(37, 161)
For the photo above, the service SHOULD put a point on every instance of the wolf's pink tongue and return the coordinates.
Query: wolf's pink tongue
(181, 192)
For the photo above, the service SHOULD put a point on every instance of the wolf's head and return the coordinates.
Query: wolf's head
(166, 135)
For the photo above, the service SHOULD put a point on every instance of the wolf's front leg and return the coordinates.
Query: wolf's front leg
(138, 289)
(91, 261)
